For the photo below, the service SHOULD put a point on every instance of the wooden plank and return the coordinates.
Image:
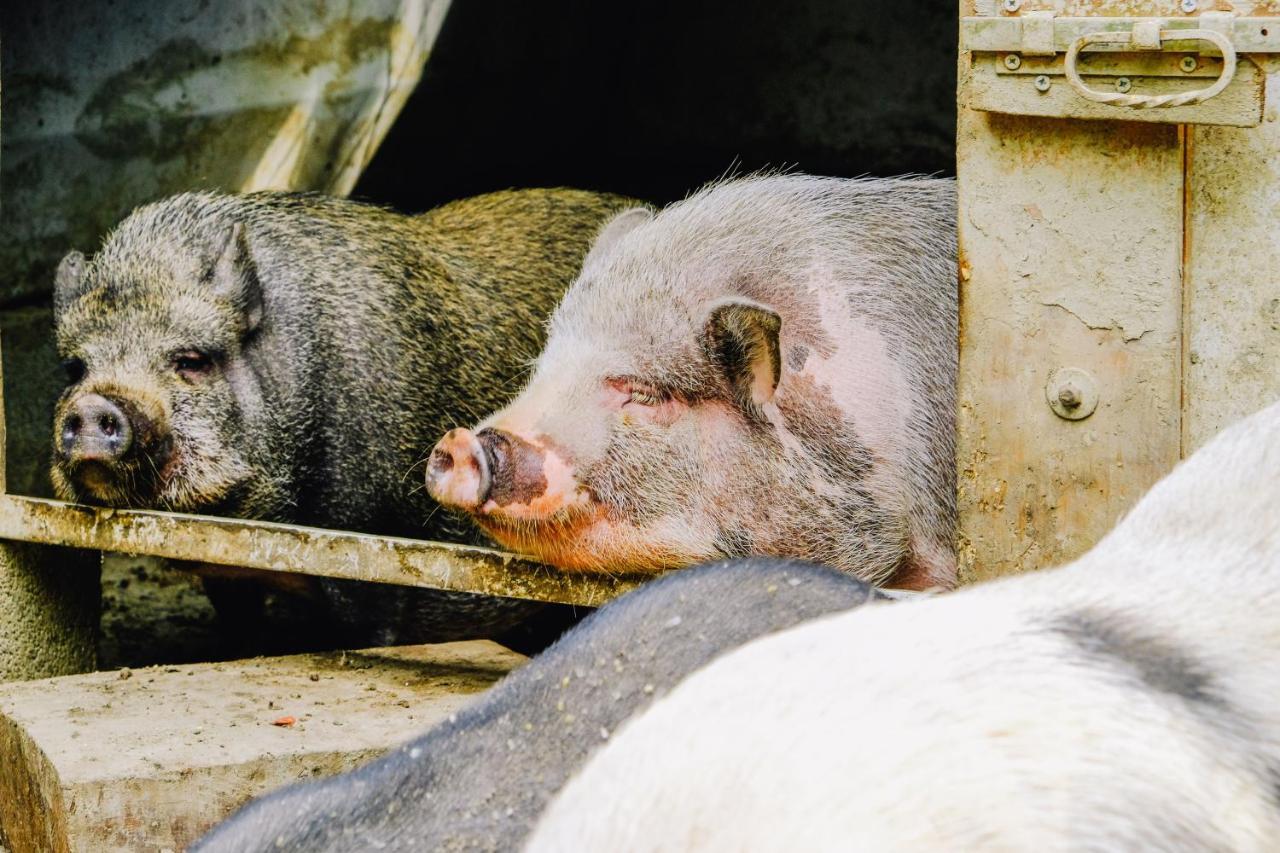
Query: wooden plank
(303, 550)
(149, 760)
(1232, 365)
(1070, 245)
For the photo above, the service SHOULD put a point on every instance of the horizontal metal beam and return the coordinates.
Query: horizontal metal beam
(302, 550)
(1248, 35)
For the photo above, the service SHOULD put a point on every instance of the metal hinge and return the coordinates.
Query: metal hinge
(1173, 70)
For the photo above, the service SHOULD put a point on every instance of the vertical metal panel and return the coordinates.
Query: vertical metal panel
(48, 606)
(1071, 250)
(1232, 296)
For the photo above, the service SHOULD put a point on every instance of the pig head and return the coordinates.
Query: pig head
(698, 400)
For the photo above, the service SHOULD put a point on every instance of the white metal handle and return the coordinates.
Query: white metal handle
(1143, 102)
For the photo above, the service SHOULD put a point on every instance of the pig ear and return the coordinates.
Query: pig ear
(741, 337)
(617, 228)
(235, 277)
(68, 281)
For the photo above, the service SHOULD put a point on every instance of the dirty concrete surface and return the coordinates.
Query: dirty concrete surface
(185, 745)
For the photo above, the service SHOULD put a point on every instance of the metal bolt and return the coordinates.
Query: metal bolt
(1012, 61)
(1043, 82)
(1014, 5)
(1123, 84)
(1072, 393)
(1189, 64)
(1070, 397)
(1189, 6)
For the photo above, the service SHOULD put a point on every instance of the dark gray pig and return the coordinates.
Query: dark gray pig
(480, 780)
(767, 367)
(292, 357)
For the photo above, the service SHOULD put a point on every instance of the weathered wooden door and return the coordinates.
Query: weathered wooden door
(1119, 186)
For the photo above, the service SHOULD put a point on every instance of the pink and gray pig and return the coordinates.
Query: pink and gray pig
(767, 367)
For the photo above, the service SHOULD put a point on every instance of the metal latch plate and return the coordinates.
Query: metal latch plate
(991, 88)
(1004, 76)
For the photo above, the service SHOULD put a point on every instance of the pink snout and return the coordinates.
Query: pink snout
(495, 475)
(458, 472)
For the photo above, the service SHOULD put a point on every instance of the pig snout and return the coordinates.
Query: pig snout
(497, 471)
(458, 472)
(95, 429)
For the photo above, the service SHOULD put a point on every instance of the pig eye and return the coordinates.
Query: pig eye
(192, 363)
(75, 370)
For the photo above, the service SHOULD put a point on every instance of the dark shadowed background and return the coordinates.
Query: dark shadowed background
(652, 99)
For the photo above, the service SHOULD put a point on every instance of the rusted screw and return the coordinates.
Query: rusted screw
(1072, 393)
(1012, 61)
(1189, 6)
(1123, 84)
(1043, 83)
(1012, 5)
(1189, 64)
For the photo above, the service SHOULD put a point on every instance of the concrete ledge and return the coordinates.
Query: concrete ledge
(150, 759)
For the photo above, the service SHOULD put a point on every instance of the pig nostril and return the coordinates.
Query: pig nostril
(70, 430)
(441, 461)
(493, 444)
(108, 425)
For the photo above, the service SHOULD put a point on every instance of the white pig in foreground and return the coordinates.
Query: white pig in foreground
(767, 367)
(1129, 701)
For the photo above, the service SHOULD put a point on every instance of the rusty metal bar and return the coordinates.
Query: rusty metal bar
(1248, 35)
(302, 550)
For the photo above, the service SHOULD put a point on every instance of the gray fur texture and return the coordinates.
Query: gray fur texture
(338, 341)
(479, 781)
(766, 367)
(1124, 702)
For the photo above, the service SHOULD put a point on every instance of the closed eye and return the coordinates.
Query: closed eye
(645, 397)
(627, 391)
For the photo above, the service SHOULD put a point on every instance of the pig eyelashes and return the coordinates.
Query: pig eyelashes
(640, 393)
(645, 397)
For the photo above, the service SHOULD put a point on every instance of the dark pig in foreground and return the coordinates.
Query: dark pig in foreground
(480, 780)
(767, 367)
(293, 357)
